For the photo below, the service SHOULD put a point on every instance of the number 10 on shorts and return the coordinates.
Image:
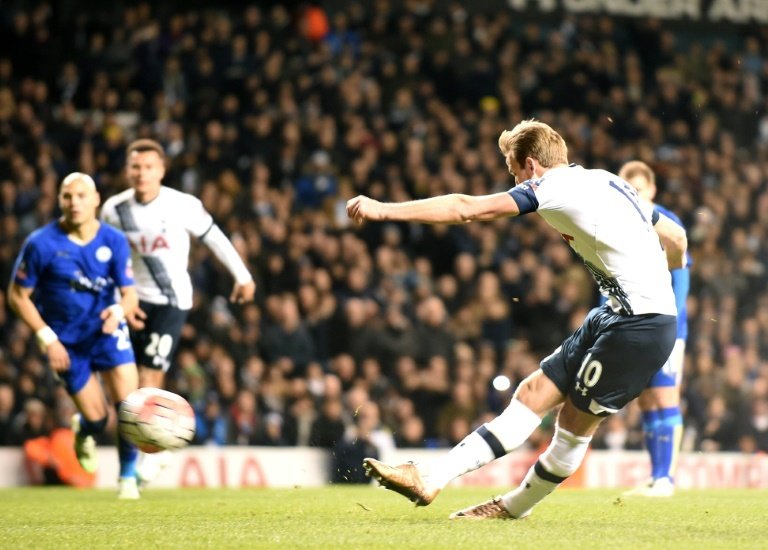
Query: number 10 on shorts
(588, 374)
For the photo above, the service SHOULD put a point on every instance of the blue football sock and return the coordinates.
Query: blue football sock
(91, 427)
(651, 421)
(668, 433)
(126, 452)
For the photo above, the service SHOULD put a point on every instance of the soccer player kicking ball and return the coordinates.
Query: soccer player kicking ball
(63, 287)
(602, 366)
(158, 222)
(660, 401)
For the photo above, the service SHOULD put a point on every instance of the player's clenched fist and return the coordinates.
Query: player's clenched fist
(363, 208)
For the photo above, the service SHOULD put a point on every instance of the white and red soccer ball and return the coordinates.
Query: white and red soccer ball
(156, 420)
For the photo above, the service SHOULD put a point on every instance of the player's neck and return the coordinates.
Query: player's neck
(146, 196)
(542, 170)
(82, 233)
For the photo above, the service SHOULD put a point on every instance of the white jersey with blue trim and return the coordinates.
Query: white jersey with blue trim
(159, 234)
(605, 223)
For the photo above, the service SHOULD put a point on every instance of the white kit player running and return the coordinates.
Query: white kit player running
(597, 370)
(158, 222)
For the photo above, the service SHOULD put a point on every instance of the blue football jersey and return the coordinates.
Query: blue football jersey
(681, 281)
(73, 282)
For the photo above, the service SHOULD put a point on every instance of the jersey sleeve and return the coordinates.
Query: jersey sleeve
(29, 264)
(197, 220)
(525, 197)
(105, 214)
(122, 265)
(668, 213)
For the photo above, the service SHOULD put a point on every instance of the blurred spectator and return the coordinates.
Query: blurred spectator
(328, 428)
(210, 423)
(366, 438)
(7, 406)
(274, 118)
(31, 422)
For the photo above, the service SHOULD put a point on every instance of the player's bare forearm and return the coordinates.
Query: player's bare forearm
(674, 241)
(20, 302)
(445, 209)
(129, 299)
(114, 314)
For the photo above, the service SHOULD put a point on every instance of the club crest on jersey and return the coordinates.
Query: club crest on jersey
(103, 254)
(143, 245)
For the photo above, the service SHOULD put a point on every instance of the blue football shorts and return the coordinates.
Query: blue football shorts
(671, 374)
(611, 358)
(98, 352)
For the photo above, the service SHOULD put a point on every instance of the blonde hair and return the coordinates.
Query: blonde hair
(635, 168)
(531, 138)
(75, 176)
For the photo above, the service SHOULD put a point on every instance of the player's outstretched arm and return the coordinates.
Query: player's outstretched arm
(445, 209)
(245, 287)
(114, 314)
(674, 241)
(20, 302)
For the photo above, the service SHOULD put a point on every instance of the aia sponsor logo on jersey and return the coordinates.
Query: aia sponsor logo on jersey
(145, 245)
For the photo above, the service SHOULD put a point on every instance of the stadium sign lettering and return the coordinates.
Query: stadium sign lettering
(192, 473)
(715, 11)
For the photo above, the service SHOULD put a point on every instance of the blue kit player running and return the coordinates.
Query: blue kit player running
(660, 401)
(605, 363)
(63, 287)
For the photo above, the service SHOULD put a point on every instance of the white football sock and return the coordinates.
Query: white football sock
(561, 459)
(151, 464)
(490, 441)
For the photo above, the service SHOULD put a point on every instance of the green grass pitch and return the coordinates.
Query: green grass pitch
(367, 518)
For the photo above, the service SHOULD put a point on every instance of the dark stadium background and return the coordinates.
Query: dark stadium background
(406, 323)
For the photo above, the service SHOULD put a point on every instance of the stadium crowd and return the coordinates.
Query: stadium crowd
(389, 335)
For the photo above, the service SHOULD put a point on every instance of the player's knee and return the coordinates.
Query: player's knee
(538, 393)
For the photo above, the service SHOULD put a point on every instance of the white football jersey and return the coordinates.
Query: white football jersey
(603, 220)
(159, 234)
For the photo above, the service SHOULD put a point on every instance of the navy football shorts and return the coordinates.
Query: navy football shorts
(156, 344)
(610, 359)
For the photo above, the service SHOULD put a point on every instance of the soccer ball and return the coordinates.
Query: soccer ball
(155, 420)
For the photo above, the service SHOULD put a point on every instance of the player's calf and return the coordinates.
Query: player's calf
(561, 459)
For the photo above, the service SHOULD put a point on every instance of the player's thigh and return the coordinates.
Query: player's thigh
(151, 378)
(79, 373)
(112, 356)
(120, 381)
(539, 393)
(90, 401)
(156, 344)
